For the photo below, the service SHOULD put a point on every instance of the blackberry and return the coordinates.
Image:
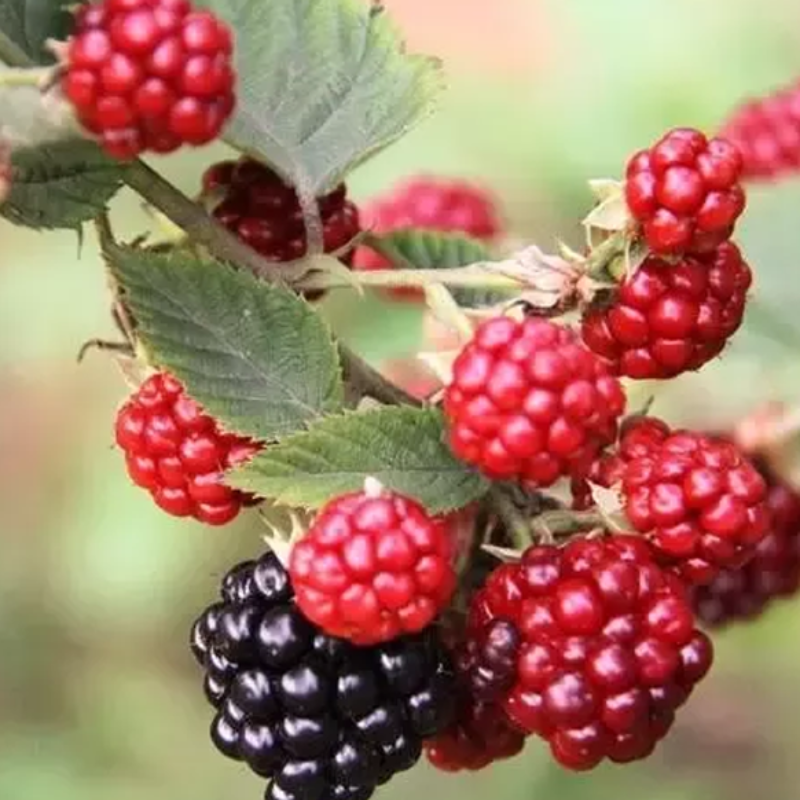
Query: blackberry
(319, 717)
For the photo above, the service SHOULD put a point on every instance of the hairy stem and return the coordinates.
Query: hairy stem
(309, 206)
(517, 526)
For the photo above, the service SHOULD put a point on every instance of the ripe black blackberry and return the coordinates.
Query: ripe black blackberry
(320, 717)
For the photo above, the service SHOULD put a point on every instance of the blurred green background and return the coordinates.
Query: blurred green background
(98, 696)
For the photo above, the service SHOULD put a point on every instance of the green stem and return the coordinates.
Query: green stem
(463, 277)
(518, 528)
(601, 259)
(554, 524)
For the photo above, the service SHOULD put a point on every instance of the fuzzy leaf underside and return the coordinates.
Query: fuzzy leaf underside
(323, 85)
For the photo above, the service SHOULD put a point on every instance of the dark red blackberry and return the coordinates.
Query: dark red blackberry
(321, 718)
(480, 733)
(607, 648)
(773, 572)
(257, 206)
(479, 736)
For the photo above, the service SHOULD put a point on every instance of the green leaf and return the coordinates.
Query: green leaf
(403, 447)
(27, 24)
(323, 85)
(60, 185)
(415, 248)
(255, 356)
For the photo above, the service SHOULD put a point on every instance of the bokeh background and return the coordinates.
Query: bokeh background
(99, 699)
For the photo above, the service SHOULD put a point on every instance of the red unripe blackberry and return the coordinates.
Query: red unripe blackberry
(316, 716)
(773, 572)
(669, 318)
(149, 75)
(257, 206)
(434, 204)
(179, 454)
(608, 649)
(480, 735)
(699, 500)
(684, 192)
(528, 401)
(766, 131)
(374, 565)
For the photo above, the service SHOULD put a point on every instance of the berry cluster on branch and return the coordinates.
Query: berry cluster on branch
(511, 558)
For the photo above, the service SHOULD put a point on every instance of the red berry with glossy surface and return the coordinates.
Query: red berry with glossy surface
(150, 75)
(373, 566)
(608, 647)
(699, 500)
(528, 401)
(427, 203)
(767, 133)
(670, 318)
(255, 204)
(479, 736)
(772, 574)
(179, 454)
(685, 192)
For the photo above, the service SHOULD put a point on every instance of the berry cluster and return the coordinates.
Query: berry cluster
(767, 133)
(331, 674)
(318, 717)
(529, 402)
(669, 318)
(373, 566)
(149, 74)
(685, 192)
(698, 499)
(179, 454)
(253, 202)
(772, 573)
(604, 647)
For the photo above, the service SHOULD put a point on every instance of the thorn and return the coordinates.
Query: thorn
(106, 346)
(373, 488)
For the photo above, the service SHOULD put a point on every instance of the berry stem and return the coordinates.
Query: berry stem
(602, 257)
(26, 76)
(473, 277)
(518, 528)
(554, 524)
(309, 206)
